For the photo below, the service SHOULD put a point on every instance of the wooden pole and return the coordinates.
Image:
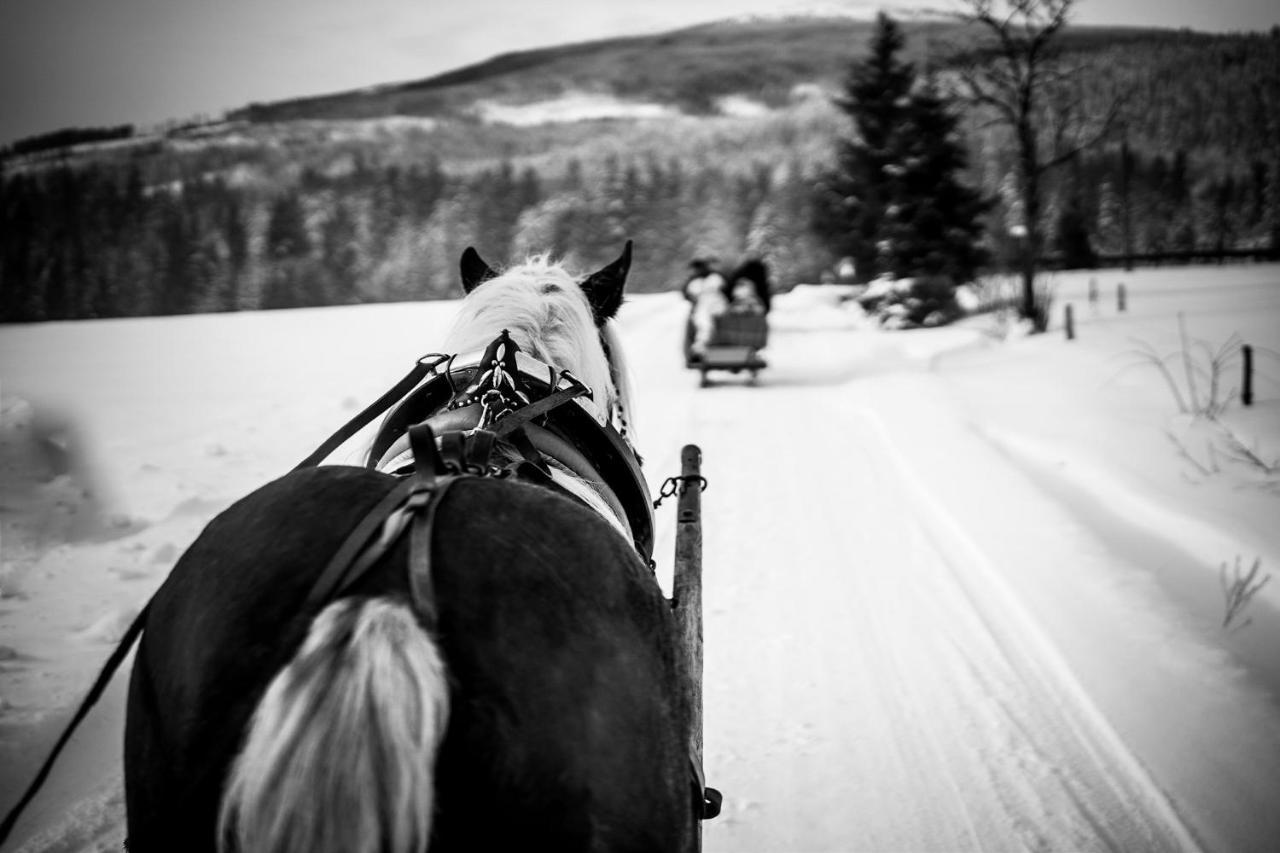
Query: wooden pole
(1246, 386)
(1120, 300)
(1069, 322)
(1093, 291)
(686, 597)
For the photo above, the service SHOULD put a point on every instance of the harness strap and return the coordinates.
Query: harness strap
(413, 500)
(512, 422)
(386, 401)
(423, 444)
(353, 549)
(420, 581)
(479, 449)
(523, 443)
(95, 693)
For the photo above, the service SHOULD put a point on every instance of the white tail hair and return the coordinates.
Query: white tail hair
(340, 753)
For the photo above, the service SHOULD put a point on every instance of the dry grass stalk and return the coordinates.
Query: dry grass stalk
(1239, 590)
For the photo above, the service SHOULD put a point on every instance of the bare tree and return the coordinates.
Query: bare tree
(1015, 75)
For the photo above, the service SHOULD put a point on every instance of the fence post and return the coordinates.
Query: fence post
(1093, 291)
(1246, 386)
(1120, 303)
(1069, 322)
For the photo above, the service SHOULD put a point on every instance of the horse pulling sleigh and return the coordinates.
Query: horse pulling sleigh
(460, 645)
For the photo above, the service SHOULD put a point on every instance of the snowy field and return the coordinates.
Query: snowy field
(962, 586)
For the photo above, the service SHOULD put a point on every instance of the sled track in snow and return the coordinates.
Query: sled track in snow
(1025, 645)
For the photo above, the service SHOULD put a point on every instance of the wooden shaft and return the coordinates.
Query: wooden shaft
(687, 591)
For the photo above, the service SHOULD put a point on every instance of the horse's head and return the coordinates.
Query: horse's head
(554, 316)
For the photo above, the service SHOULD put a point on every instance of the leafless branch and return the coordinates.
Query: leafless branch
(1241, 452)
(1205, 470)
(1239, 590)
(1147, 355)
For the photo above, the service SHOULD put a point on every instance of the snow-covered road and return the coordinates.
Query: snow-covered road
(870, 683)
(910, 644)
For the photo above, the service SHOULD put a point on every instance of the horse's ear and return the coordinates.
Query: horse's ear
(604, 288)
(475, 271)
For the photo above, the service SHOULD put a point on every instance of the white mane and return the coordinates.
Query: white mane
(548, 317)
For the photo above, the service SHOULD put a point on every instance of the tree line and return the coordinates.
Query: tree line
(105, 242)
(99, 242)
(64, 138)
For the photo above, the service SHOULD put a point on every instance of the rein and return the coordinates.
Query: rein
(393, 395)
(95, 693)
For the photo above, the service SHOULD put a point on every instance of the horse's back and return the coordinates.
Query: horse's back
(229, 616)
(566, 719)
(568, 727)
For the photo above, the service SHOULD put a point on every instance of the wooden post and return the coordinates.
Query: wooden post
(1120, 302)
(1093, 291)
(686, 597)
(1069, 321)
(1246, 386)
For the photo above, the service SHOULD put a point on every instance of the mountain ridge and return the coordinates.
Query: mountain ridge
(690, 67)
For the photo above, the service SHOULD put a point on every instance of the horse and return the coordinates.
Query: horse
(505, 677)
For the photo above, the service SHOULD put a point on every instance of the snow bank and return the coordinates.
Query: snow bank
(941, 610)
(570, 107)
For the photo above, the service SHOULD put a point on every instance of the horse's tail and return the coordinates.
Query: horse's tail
(340, 753)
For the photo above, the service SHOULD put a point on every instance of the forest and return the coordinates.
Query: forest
(242, 214)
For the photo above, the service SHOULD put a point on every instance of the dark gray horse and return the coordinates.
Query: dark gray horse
(508, 680)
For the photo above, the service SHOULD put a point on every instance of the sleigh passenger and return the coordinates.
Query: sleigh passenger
(705, 289)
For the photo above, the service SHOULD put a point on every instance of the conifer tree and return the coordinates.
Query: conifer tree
(935, 222)
(857, 193)
(287, 245)
(895, 203)
(1071, 237)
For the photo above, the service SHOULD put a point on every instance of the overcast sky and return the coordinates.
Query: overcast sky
(106, 62)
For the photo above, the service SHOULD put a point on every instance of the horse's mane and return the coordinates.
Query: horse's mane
(541, 305)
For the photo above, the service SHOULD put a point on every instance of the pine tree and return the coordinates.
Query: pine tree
(236, 234)
(938, 219)
(856, 195)
(340, 254)
(177, 235)
(288, 244)
(1109, 223)
(1071, 237)
(895, 202)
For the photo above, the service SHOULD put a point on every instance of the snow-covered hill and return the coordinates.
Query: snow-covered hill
(962, 588)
